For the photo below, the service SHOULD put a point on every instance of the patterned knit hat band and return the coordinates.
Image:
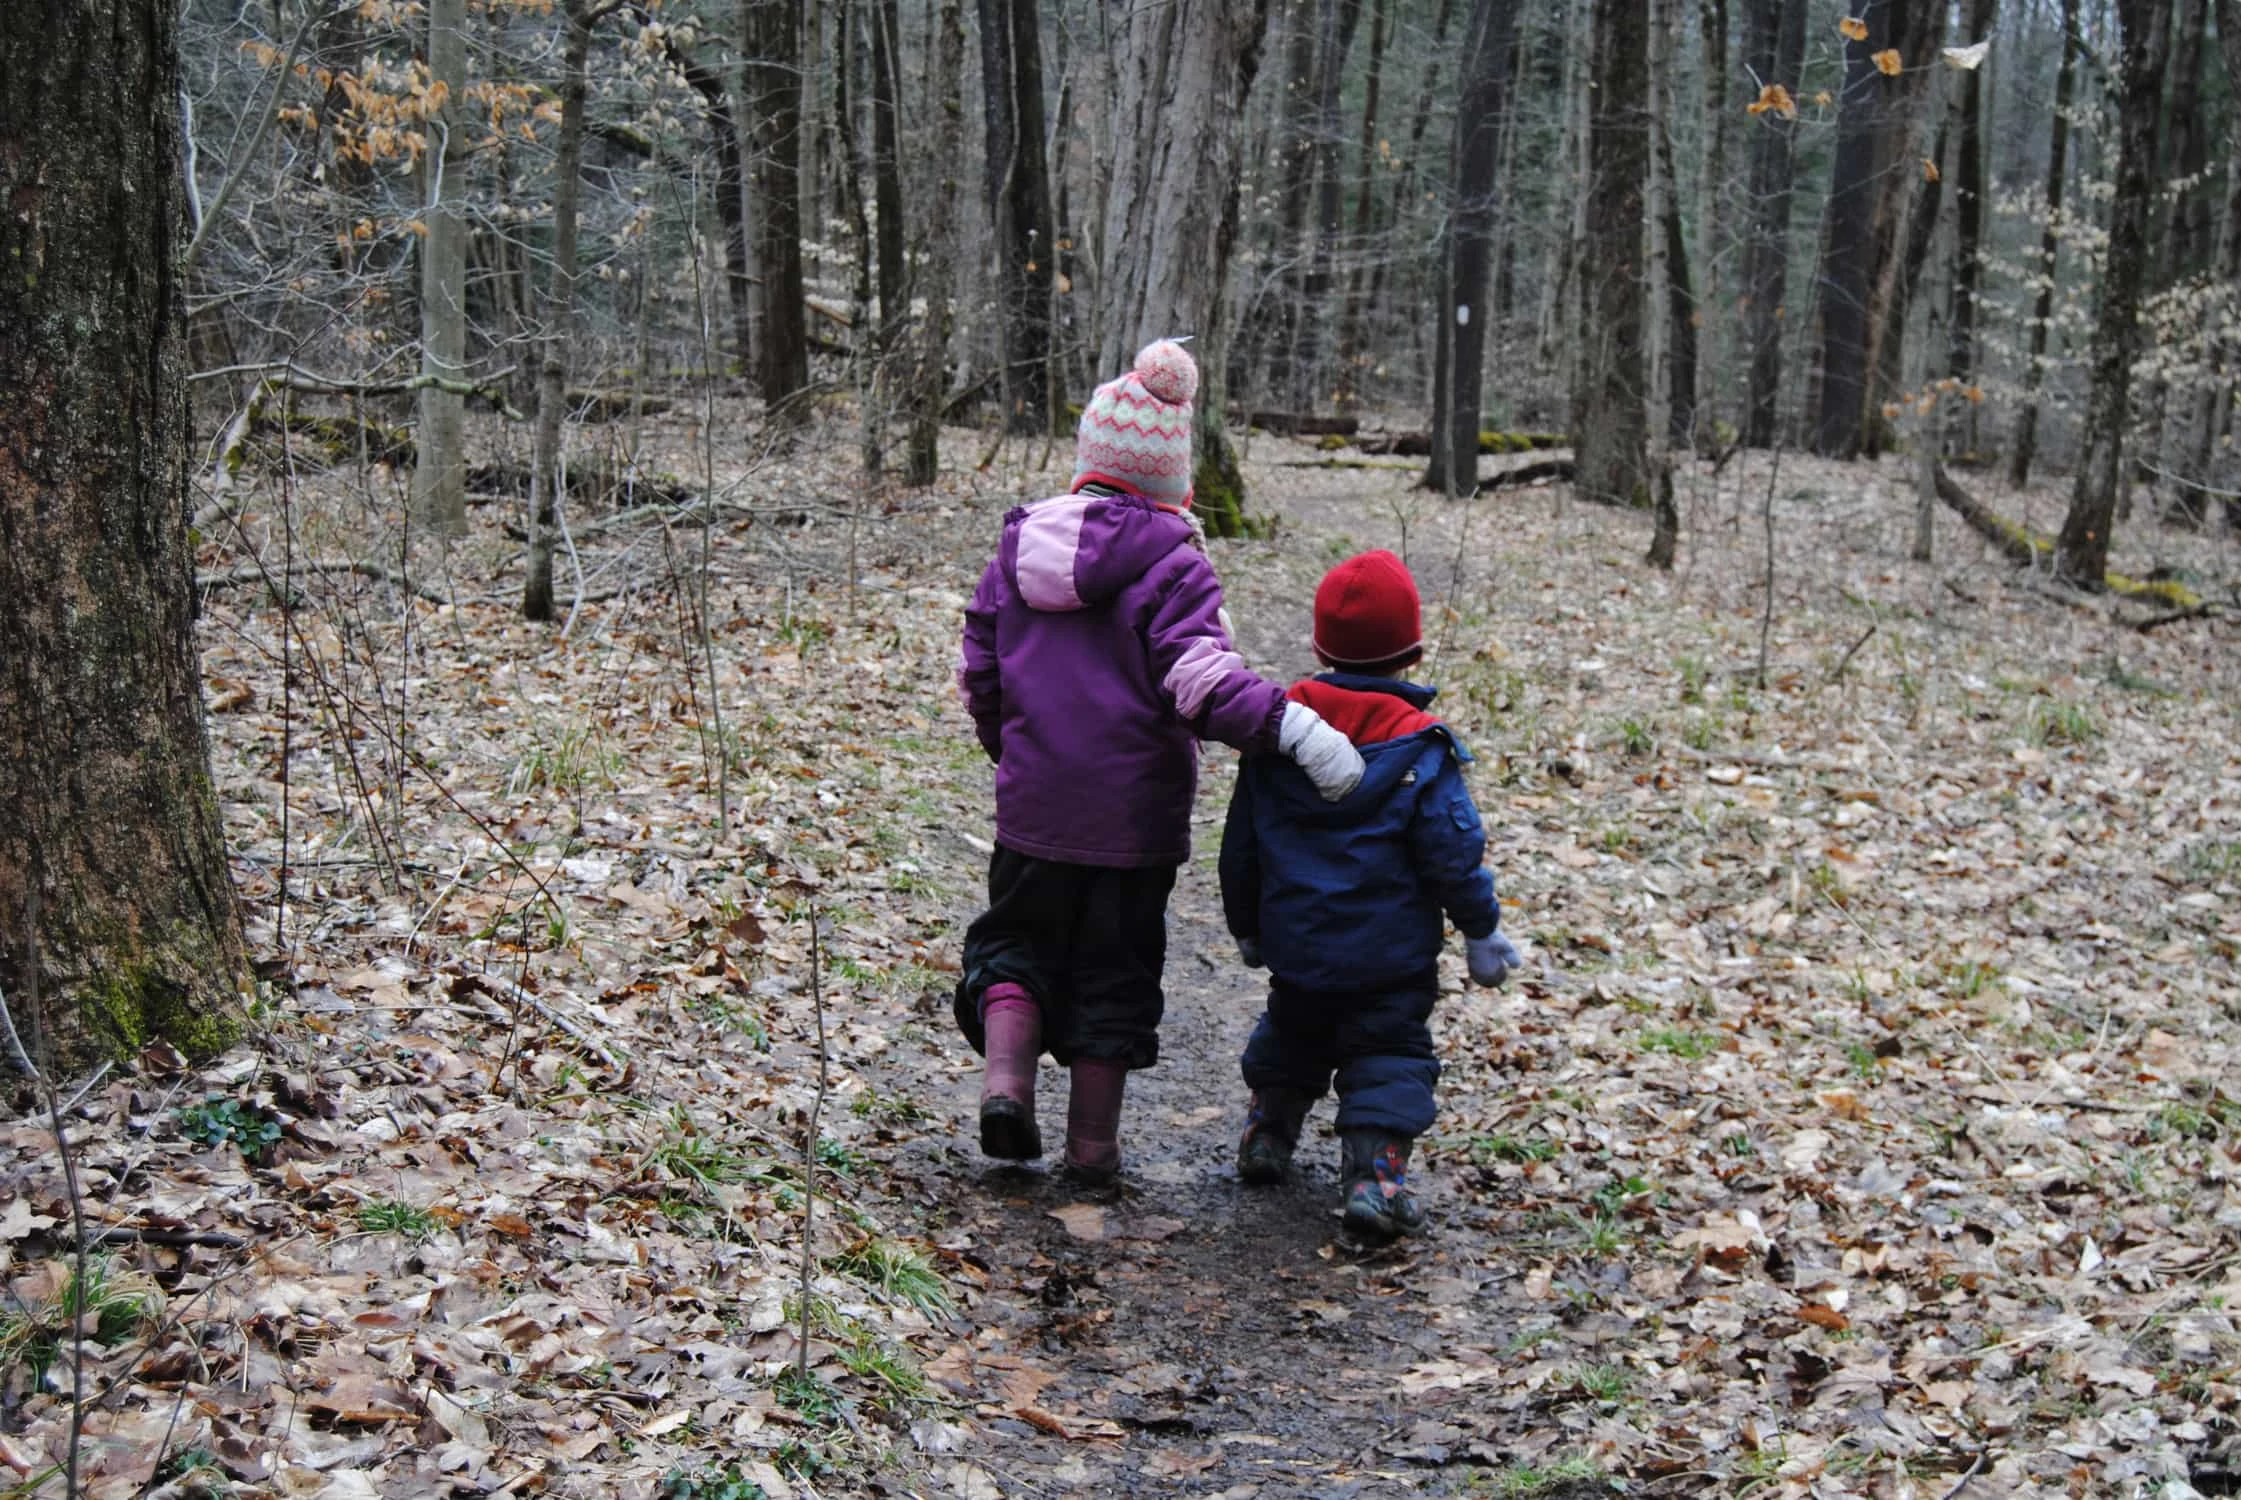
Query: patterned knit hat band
(1135, 432)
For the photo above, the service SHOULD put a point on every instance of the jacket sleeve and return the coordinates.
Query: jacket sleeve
(1198, 668)
(1241, 862)
(980, 685)
(1448, 844)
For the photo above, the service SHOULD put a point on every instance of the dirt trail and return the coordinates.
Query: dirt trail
(1182, 1334)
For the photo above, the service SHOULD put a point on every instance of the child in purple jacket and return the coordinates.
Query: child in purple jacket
(1095, 657)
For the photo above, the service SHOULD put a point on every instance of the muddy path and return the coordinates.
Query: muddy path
(1183, 1333)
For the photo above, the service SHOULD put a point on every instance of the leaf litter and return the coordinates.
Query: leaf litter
(1865, 1121)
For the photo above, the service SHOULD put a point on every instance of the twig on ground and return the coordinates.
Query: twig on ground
(1838, 675)
(257, 572)
(809, 1139)
(504, 988)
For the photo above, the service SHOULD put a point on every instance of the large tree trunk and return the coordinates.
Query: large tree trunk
(772, 33)
(929, 380)
(2082, 551)
(1775, 55)
(1186, 69)
(2024, 447)
(106, 807)
(1968, 231)
(1610, 416)
(439, 479)
(1465, 317)
(1018, 187)
(545, 478)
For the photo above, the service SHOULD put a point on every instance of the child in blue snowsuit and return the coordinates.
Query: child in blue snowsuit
(1346, 903)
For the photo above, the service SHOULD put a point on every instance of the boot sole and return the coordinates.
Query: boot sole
(1008, 1131)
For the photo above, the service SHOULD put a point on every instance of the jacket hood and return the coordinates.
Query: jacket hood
(1078, 551)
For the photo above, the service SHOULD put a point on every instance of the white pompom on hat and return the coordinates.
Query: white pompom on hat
(1135, 433)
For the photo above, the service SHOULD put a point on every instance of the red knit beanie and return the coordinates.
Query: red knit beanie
(1367, 614)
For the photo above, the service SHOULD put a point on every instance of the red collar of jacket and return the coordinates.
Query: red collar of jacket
(1366, 718)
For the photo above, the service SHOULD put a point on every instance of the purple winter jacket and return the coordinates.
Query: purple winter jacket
(1095, 657)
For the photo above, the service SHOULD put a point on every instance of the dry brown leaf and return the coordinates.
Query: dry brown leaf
(1084, 1221)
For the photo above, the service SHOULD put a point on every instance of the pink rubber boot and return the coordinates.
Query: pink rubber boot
(1093, 1111)
(1014, 1026)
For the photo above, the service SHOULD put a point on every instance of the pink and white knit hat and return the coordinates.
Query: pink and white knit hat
(1136, 431)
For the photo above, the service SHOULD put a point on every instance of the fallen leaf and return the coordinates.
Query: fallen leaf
(1822, 1316)
(1084, 1221)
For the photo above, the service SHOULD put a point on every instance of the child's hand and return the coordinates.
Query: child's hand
(1328, 757)
(1491, 958)
(1249, 952)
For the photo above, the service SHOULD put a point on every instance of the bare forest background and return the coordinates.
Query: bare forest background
(1766, 220)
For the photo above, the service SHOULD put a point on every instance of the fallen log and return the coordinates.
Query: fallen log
(1419, 444)
(591, 406)
(2033, 549)
(1300, 424)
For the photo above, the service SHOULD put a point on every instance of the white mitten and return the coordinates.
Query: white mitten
(1328, 757)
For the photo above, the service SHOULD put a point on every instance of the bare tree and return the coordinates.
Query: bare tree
(1186, 69)
(1610, 389)
(1775, 58)
(439, 484)
(2024, 446)
(1459, 368)
(771, 33)
(546, 475)
(1018, 188)
(109, 829)
(2082, 550)
(938, 254)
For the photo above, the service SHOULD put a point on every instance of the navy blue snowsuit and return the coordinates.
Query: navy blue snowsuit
(1346, 902)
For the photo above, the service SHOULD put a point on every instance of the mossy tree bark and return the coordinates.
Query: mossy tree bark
(2082, 551)
(1186, 70)
(1610, 392)
(106, 806)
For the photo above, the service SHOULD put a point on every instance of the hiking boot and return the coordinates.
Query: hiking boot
(1093, 1111)
(1373, 1173)
(1014, 1044)
(1272, 1125)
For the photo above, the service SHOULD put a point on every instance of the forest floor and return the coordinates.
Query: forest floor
(1866, 1120)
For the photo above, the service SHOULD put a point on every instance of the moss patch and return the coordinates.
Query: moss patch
(128, 1007)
